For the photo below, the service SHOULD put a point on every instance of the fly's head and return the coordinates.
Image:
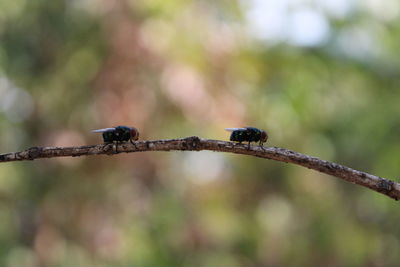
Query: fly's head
(134, 134)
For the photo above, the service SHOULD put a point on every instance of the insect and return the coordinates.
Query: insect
(119, 134)
(248, 134)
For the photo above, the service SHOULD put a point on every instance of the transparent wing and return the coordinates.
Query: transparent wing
(103, 130)
(234, 129)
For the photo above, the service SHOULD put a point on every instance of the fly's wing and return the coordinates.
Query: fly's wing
(252, 128)
(103, 130)
(235, 129)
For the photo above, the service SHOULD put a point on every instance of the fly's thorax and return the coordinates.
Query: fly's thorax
(253, 134)
(109, 137)
(122, 133)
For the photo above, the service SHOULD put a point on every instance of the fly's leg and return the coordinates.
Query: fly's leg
(248, 147)
(133, 143)
(262, 145)
(116, 147)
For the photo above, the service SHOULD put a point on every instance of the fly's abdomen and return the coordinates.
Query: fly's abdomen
(108, 137)
(238, 136)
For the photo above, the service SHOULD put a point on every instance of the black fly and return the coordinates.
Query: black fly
(248, 134)
(119, 134)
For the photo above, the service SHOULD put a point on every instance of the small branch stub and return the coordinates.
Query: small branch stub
(194, 143)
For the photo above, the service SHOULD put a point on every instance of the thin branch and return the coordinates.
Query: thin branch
(194, 143)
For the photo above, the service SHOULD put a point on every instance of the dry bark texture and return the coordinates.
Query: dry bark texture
(194, 143)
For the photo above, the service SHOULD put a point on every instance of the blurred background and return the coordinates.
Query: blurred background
(321, 76)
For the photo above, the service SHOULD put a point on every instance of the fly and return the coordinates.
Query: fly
(119, 134)
(248, 134)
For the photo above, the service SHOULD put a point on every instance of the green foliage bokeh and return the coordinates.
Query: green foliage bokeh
(180, 68)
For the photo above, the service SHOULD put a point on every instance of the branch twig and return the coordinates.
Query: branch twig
(381, 185)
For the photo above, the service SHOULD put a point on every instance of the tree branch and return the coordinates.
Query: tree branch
(381, 185)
